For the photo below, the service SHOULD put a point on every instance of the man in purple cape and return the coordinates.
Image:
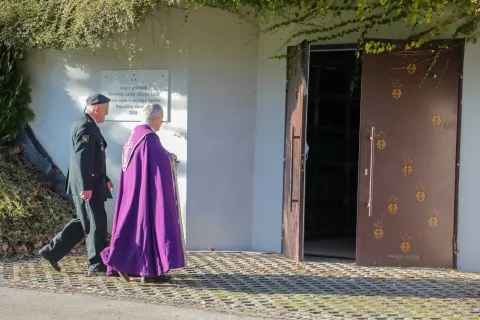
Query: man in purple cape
(147, 238)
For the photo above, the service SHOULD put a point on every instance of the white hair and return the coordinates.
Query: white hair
(151, 110)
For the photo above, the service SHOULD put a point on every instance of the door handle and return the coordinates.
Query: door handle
(291, 169)
(370, 189)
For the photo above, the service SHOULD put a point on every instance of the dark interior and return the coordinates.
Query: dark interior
(331, 177)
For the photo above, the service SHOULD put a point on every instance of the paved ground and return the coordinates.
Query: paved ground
(272, 286)
(19, 304)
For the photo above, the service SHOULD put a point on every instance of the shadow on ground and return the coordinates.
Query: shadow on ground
(271, 286)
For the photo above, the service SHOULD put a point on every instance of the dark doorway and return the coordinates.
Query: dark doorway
(332, 134)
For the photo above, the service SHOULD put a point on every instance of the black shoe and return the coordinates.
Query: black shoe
(124, 276)
(97, 273)
(52, 263)
(162, 278)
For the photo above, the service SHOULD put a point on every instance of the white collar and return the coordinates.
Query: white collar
(150, 127)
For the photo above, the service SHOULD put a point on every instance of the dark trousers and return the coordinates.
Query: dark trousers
(91, 222)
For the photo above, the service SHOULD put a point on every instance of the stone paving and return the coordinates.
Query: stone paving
(271, 286)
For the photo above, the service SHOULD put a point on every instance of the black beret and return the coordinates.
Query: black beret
(96, 98)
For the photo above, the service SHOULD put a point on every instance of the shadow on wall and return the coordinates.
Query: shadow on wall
(61, 82)
(215, 71)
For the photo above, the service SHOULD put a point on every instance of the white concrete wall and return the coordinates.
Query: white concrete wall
(212, 76)
(221, 130)
(468, 258)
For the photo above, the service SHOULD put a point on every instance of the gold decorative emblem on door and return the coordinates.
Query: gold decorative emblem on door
(381, 140)
(433, 220)
(407, 168)
(378, 230)
(397, 90)
(436, 119)
(420, 195)
(405, 243)
(393, 205)
(412, 68)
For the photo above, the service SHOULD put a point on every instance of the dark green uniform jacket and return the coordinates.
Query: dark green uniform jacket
(87, 169)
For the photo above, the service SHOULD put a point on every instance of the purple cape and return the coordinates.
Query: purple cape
(146, 234)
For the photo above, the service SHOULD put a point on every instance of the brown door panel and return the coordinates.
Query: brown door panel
(293, 187)
(411, 221)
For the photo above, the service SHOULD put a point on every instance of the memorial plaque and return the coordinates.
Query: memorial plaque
(130, 90)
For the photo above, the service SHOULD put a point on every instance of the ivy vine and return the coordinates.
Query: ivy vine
(14, 95)
(71, 25)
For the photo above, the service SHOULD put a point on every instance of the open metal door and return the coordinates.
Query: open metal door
(293, 176)
(408, 158)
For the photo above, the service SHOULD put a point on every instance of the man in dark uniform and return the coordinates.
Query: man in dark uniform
(89, 186)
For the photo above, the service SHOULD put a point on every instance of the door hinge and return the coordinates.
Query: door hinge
(455, 251)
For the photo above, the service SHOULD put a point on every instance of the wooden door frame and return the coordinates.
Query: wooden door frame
(333, 47)
(352, 47)
(457, 158)
(313, 48)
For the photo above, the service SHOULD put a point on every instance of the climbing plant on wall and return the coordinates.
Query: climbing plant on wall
(14, 95)
(71, 25)
(424, 19)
